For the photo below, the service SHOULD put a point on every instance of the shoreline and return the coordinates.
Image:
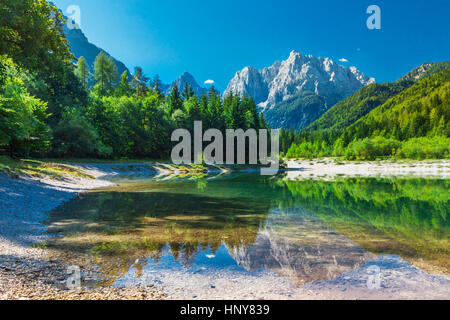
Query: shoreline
(329, 168)
(25, 273)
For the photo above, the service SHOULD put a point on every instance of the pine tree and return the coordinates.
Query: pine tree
(262, 122)
(140, 82)
(156, 85)
(214, 114)
(188, 92)
(105, 74)
(124, 85)
(193, 109)
(204, 105)
(82, 72)
(175, 101)
(251, 108)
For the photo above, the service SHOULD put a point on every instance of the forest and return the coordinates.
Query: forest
(52, 105)
(407, 119)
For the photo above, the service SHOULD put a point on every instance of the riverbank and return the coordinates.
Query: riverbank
(25, 200)
(331, 168)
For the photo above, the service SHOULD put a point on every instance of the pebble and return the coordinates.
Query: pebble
(24, 272)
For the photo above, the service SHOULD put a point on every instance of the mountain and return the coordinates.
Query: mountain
(415, 112)
(297, 111)
(185, 78)
(81, 47)
(299, 73)
(250, 82)
(298, 245)
(358, 105)
(425, 70)
(349, 110)
(406, 119)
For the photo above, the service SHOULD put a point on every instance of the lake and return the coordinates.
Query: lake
(249, 236)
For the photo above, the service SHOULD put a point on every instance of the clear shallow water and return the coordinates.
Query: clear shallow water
(251, 230)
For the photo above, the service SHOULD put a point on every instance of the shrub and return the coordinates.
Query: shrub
(371, 148)
(425, 148)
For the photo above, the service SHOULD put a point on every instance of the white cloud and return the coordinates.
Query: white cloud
(343, 60)
(210, 81)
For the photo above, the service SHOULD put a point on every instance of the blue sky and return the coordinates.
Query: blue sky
(214, 39)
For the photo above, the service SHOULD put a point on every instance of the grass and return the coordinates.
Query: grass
(14, 168)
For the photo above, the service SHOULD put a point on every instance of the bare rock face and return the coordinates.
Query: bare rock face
(298, 73)
(300, 246)
(249, 81)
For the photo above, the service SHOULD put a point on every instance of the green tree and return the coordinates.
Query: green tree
(203, 106)
(175, 100)
(188, 92)
(82, 72)
(193, 109)
(214, 112)
(32, 33)
(140, 82)
(156, 85)
(124, 87)
(105, 74)
(22, 116)
(76, 137)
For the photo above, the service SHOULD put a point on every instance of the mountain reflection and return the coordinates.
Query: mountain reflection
(305, 230)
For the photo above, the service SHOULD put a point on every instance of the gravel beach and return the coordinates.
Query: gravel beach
(24, 203)
(330, 169)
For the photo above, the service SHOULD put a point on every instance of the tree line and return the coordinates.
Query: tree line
(402, 120)
(51, 104)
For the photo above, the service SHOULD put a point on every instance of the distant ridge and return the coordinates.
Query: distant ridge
(425, 70)
(185, 78)
(358, 105)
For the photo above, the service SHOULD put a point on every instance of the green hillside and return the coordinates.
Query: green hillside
(425, 70)
(347, 111)
(414, 123)
(416, 112)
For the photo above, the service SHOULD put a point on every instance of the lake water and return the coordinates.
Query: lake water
(244, 235)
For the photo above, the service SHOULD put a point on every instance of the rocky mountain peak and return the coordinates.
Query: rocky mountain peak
(306, 255)
(295, 54)
(298, 73)
(186, 77)
(249, 81)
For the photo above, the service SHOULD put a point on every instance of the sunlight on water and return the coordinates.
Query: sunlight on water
(247, 227)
